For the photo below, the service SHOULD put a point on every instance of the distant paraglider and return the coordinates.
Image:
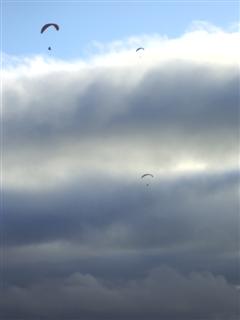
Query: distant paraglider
(147, 175)
(46, 26)
(140, 52)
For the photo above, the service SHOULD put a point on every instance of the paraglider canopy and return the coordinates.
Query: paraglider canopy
(147, 174)
(47, 25)
(140, 48)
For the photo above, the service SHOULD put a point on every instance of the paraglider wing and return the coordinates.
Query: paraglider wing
(147, 174)
(47, 25)
(140, 48)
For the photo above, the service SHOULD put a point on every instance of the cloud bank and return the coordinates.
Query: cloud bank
(83, 236)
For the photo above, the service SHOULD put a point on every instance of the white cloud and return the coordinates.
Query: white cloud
(173, 110)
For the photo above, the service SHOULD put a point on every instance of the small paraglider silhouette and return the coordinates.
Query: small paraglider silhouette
(146, 175)
(46, 26)
(140, 51)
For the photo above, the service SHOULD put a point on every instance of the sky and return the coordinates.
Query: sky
(83, 235)
(83, 23)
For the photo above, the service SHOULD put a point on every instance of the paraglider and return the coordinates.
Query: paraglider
(140, 52)
(146, 175)
(46, 26)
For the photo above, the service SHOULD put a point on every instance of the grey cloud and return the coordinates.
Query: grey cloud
(195, 106)
(180, 94)
(73, 212)
(163, 292)
(190, 222)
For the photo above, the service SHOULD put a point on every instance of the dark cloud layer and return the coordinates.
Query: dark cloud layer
(67, 212)
(163, 292)
(71, 255)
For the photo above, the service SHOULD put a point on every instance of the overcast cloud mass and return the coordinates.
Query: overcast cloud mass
(83, 236)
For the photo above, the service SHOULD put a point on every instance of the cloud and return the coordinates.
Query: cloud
(162, 112)
(83, 234)
(190, 222)
(163, 292)
(69, 211)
